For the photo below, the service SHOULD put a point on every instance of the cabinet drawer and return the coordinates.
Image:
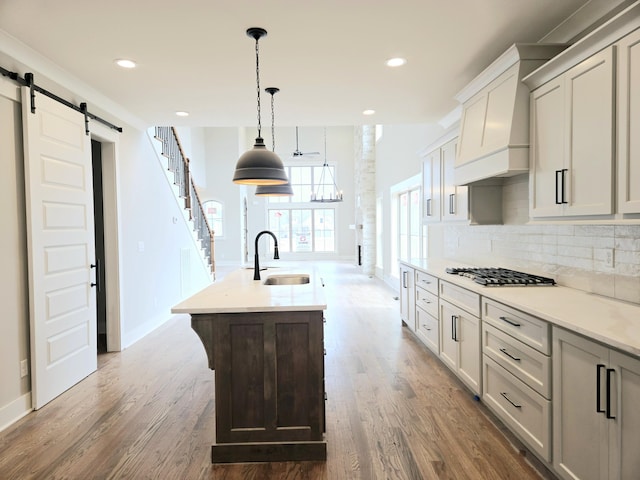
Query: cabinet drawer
(426, 281)
(428, 330)
(460, 297)
(526, 363)
(427, 301)
(524, 411)
(526, 328)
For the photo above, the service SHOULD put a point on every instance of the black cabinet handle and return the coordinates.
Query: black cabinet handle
(451, 203)
(504, 350)
(510, 322)
(404, 279)
(426, 328)
(558, 202)
(599, 367)
(454, 328)
(564, 184)
(609, 372)
(428, 207)
(504, 394)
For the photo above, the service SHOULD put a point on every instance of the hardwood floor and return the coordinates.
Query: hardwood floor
(393, 410)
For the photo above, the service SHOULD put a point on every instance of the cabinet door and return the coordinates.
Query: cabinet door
(629, 124)
(431, 187)
(589, 162)
(624, 430)
(455, 199)
(448, 344)
(407, 296)
(268, 377)
(547, 149)
(470, 360)
(580, 429)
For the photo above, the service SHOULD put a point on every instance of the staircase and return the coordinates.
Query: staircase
(178, 168)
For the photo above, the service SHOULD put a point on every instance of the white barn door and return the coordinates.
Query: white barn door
(60, 242)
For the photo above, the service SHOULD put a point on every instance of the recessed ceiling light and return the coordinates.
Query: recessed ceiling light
(182, 114)
(368, 112)
(396, 62)
(124, 63)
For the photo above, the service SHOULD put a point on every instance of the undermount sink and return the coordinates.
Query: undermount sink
(287, 279)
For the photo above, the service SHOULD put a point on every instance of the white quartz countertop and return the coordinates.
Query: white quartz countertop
(238, 292)
(612, 322)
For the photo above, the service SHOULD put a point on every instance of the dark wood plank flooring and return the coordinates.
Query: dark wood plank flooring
(393, 410)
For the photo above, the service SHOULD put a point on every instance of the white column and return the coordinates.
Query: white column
(365, 191)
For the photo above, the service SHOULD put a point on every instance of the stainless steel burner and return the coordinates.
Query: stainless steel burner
(499, 277)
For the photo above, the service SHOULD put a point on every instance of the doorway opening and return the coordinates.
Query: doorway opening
(98, 216)
(104, 153)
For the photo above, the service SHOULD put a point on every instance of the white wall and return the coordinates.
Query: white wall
(14, 326)
(155, 272)
(397, 158)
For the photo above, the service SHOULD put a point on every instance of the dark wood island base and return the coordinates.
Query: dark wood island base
(269, 384)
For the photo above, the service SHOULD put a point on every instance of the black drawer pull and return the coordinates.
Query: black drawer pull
(504, 350)
(454, 328)
(599, 367)
(510, 322)
(426, 328)
(608, 414)
(504, 394)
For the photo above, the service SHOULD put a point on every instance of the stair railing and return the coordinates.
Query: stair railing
(178, 164)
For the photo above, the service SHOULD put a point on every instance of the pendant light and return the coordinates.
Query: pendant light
(259, 166)
(326, 192)
(283, 190)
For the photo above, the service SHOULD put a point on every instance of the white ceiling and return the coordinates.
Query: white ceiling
(327, 57)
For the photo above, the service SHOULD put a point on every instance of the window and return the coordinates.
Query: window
(303, 226)
(407, 238)
(213, 211)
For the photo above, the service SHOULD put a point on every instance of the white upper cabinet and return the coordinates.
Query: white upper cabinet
(431, 187)
(443, 200)
(585, 119)
(455, 198)
(572, 120)
(628, 50)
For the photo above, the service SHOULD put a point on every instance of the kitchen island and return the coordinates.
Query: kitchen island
(265, 344)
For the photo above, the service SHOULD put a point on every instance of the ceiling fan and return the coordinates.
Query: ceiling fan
(297, 153)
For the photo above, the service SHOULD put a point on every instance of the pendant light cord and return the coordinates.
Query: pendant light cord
(273, 127)
(258, 86)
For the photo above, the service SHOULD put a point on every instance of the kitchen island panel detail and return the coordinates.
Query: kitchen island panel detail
(269, 384)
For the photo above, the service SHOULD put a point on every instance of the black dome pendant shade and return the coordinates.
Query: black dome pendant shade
(283, 190)
(259, 166)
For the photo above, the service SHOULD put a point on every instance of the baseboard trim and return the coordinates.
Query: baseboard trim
(14, 411)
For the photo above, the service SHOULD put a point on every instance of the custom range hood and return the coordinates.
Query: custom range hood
(494, 129)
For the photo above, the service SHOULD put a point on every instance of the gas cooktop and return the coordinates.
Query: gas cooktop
(500, 277)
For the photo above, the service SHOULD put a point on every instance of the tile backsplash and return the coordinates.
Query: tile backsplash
(602, 259)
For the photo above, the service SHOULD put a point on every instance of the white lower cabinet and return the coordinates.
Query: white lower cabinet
(460, 344)
(522, 409)
(517, 373)
(408, 296)
(596, 410)
(427, 324)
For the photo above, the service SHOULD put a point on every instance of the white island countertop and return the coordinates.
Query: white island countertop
(613, 322)
(238, 292)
